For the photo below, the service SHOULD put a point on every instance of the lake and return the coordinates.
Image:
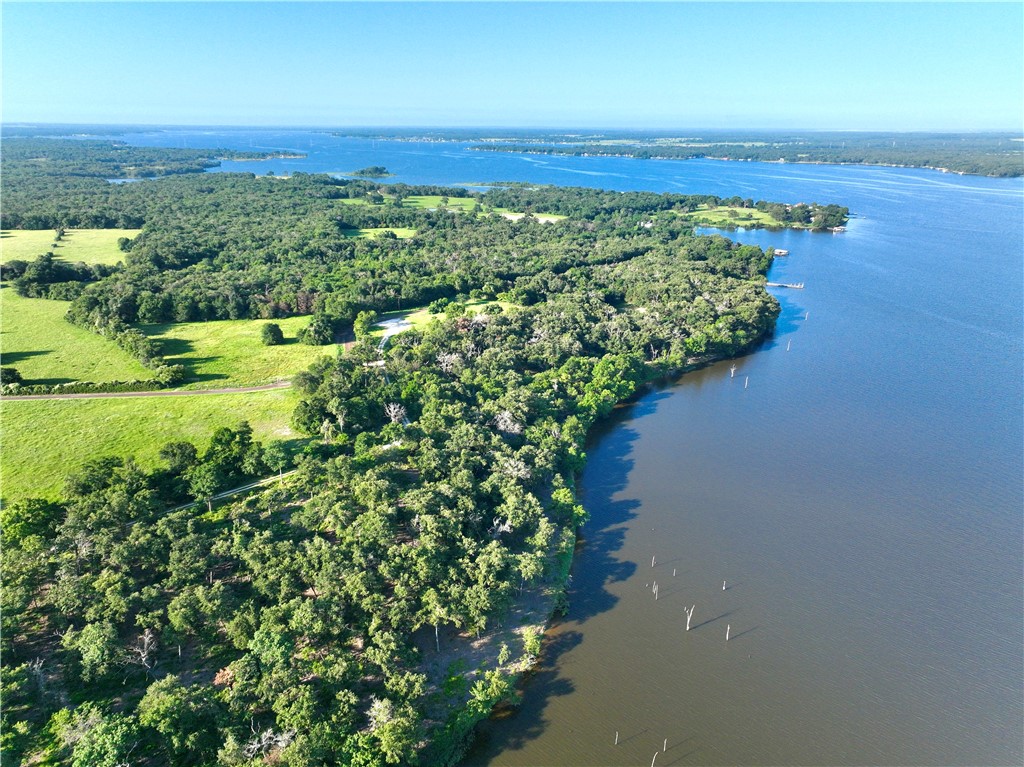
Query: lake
(856, 482)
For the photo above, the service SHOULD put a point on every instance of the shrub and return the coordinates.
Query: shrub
(271, 334)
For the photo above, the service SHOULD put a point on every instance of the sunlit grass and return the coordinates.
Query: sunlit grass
(231, 353)
(44, 440)
(372, 233)
(46, 349)
(433, 201)
(93, 246)
(726, 216)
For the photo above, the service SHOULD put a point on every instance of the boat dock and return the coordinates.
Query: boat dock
(794, 285)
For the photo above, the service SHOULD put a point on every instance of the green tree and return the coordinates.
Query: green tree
(204, 480)
(275, 455)
(97, 648)
(319, 331)
(397, 730)
(271, 334)
(179, 456)
(186, 718)
(32, 516)
(363, 322)
(96, 739)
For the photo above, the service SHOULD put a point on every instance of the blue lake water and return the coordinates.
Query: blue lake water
(857, 482)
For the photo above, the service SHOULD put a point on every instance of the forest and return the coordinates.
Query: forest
(326, 620)
(975, 153)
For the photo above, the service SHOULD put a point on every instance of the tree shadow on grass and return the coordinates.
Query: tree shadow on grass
(12, 358)
(171, 347)
(193, 376)
(176, 351)
(49, 381)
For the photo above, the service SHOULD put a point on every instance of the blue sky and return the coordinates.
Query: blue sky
(872, 66)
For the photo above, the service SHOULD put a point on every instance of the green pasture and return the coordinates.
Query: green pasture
(230, 352)
(725, 216)
(93, 246)
(544, 218)
(372, 233)
(44, 440)
(432, 201)
(46, 349)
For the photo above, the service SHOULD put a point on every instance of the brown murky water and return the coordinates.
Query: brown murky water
(857, 483)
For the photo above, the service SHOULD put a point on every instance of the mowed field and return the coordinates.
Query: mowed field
(433, 202)
(93, 246)
(231, 353)
(728, 216)
(372, 233)
(421, 201)
(45, 349)
(55, 437)
(44, 440)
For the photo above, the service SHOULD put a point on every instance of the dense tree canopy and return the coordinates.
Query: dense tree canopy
(297, 626)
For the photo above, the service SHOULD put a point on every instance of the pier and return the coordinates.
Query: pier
(794, 285)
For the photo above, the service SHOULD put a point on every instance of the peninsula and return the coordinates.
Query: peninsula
(426, 478)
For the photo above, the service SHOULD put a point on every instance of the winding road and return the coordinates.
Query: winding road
(392, 327)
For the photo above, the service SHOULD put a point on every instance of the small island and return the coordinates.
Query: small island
(374, 171)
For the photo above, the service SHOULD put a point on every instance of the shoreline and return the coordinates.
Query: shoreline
(550, 597)
(744, 159)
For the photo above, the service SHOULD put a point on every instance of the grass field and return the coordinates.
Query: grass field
(544, 218)
(726, 216)
(55, 437)
(93, 246)
(431, 201)
(465, 204)
(230, 352)
(420, 318)
(401, 232)
(35, 339)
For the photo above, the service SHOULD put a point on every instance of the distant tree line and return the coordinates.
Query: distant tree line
(978, 154)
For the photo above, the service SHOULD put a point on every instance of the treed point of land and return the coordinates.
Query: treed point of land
(985, 154)
(427, 478)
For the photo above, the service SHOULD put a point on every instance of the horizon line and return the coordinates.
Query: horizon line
(496, 126)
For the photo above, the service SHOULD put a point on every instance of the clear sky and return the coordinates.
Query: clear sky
(872, 66)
